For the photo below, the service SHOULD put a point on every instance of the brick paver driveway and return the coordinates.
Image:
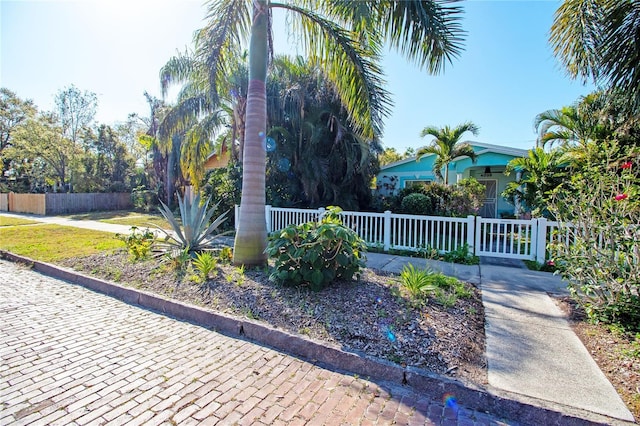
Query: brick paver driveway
(71, 356)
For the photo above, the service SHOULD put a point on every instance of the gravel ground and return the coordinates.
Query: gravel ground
(371, 315)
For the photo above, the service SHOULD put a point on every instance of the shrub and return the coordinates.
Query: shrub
(138, 242)
(417, 203)
(437, 199)
(461, 255)
(224, 185)
(599, 209)
(144, 200)
(316, 254)
(467, 198)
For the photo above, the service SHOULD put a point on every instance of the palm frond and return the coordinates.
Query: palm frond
(178, 69)
(354, 69)
(429, 32)
(217, 43)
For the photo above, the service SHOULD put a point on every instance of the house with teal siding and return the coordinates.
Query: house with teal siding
(488, 170)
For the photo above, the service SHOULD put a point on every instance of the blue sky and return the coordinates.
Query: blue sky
(506, 75)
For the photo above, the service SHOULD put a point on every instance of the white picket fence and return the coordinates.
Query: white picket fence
(507, 238)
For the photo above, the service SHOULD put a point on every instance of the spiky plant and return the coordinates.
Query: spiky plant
(196, 231)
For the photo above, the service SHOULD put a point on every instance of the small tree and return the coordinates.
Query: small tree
(599, 211)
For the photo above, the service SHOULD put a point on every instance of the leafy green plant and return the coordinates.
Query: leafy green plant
(205, 263)
(424, 283)
(461, 255)
(417, 282)
(138, 242)
(197, 229)
(316, 254)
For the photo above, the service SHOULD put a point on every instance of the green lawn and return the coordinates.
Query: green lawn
(124, 217)
(50, 243)
(15, 221)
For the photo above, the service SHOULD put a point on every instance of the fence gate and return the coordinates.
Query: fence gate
(515, 239)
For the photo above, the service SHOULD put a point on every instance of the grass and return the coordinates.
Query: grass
(124, 217)
(15, 221)
(50, 243)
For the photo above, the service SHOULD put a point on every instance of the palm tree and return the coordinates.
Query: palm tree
(542, 172)
(598, 39)
(346, 41)
(200, 116)
(329, 162)
(447, 146)
(574, 125)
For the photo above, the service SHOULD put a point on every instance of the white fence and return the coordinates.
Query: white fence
(508, 238)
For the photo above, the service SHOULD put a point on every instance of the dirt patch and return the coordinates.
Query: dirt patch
(366, 316)
(617, 354)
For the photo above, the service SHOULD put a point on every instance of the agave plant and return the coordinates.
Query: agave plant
(196, 232)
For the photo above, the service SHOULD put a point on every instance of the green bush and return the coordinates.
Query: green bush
(601, 257)
(316, 254)
(138, 242)
(417, 203)
(144, 200)
(436, 199)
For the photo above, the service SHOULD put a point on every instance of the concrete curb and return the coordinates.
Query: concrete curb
(514, 407)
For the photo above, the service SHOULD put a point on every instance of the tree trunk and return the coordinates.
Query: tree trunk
(251, 235)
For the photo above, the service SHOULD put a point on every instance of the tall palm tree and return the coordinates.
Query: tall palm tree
(346, 39)
(598, 39)
(447, 146)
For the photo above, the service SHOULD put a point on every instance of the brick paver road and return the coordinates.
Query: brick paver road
(71, 356)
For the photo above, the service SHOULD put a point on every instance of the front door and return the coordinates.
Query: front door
(490, 207)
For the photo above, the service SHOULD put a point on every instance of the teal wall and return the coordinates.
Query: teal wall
(395, 177)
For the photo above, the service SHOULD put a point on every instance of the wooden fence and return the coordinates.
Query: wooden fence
(51, 204)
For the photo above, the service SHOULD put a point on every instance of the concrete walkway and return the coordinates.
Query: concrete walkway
(531, 349)
(532, 353)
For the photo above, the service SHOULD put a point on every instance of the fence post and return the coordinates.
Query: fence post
(267, 217)
(541, 243)
(478, 235)
(236, 216)
(471, 221)
(386, 239)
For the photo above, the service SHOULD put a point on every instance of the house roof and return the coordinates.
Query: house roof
(481, 148)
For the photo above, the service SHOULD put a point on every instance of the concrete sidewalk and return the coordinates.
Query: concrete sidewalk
(531, 349)
(532, 353)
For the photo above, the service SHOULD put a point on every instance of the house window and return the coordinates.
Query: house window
(412, 183)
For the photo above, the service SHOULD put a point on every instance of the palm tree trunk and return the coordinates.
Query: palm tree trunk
(251, 235)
